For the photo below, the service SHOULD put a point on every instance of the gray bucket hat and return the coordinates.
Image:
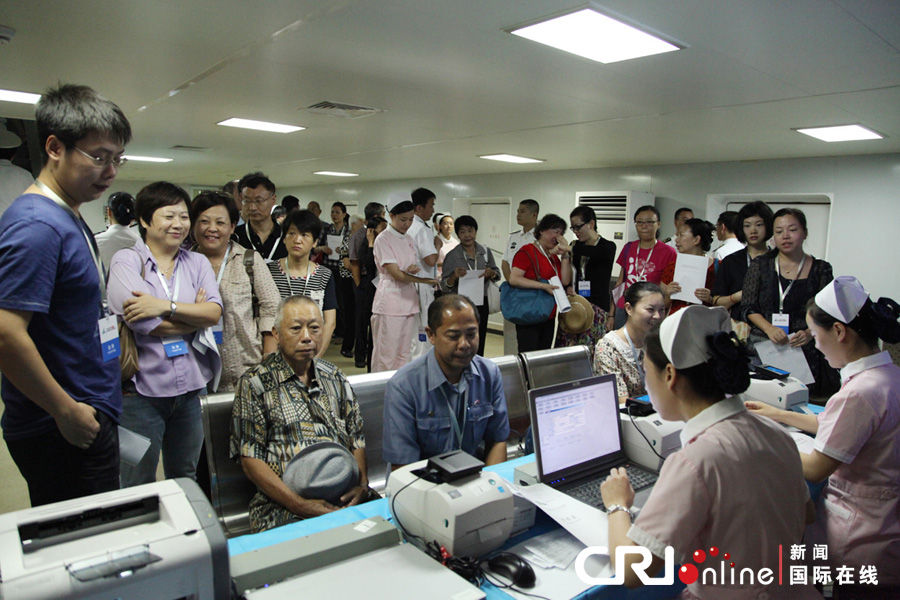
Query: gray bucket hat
(324, 470)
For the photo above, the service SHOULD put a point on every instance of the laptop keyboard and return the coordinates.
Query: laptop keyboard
(589, 491)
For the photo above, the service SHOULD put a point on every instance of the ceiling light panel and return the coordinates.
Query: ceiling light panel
(152, 159)
(593, 35)
(841, 133)
(22, 97)
(512, 158)
(336, 174)
(260, 125)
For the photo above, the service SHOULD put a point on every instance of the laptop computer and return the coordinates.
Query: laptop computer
(578, 439)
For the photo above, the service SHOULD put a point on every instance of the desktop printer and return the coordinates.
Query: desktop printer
(780, 393)
(466, 510)
(662, 436)
(158, 541)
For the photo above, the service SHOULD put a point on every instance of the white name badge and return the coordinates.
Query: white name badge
(782, 321)
(109, 338)
(584, 289)
(217, 331)
(174, 346)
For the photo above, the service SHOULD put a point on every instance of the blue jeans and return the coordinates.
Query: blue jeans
(173, 425)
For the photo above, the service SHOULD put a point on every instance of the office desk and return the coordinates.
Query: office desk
(380, 508)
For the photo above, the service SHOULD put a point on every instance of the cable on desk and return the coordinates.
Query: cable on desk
(510, 586)
(630, 416)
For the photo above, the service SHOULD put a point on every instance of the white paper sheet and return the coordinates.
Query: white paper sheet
(132, 446)
(334, 242)
(690, 274)
(588, 524)
(805, 443)
(554, 550)
(562, 301)
(471, 285)
(785, 357)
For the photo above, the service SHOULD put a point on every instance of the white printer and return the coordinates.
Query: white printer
(469, 516)
(158, 541)
(658, 434)
(780, 393)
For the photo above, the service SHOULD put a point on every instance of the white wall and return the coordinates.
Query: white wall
(865, 214)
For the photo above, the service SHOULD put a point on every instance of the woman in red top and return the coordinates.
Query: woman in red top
(551, 255)
(641, 260)
(694, 237)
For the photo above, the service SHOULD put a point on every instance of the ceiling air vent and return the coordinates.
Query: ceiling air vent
(344, 111)
(189, 148)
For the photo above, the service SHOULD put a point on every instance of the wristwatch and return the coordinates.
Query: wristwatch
(172, 308)
(617, 507)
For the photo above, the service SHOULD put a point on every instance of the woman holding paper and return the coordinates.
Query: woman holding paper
(693, 240)
(547, 258)
(777, 287)
(856, 435)
(467, 256)
(734, 493)
(169, 298)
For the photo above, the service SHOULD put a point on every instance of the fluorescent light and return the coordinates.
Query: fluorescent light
(260, 125)
(336, 174)
(23, 97)
(840, 133)
(595, 36)
(154, 159)
(512, 158)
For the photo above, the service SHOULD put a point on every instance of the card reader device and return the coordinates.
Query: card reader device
(780, 393)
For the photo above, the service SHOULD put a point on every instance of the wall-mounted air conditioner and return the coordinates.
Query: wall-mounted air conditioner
(615, 212)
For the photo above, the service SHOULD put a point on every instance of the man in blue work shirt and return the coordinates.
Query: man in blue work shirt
(449, 398)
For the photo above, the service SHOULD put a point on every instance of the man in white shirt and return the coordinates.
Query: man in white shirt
(725, 227)
(681, 217)
(13, 179)
(527, 218)
(423, 236)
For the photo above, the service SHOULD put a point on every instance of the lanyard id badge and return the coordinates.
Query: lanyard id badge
(109, 338)
(782, 321)
(217, 330)
(584, 288)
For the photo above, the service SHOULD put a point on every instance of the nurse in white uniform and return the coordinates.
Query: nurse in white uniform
(857, 443)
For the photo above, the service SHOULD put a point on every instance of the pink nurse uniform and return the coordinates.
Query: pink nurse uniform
(396, 303)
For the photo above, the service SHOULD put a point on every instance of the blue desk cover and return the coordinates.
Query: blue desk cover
(543, 524)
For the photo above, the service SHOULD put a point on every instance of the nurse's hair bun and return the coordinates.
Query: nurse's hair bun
(728, 362)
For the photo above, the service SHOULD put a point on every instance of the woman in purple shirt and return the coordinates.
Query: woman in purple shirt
(169, 299)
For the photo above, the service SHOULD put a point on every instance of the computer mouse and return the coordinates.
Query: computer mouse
(513, 567)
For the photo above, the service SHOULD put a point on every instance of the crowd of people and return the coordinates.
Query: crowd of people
(223, 293)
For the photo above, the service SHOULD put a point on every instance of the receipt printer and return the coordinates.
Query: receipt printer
(644, 437)
(780, 393)
(158, 541)
(469, 516)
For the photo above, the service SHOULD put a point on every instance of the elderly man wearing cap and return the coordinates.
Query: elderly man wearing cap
(296, 426)
(856, 435)
(448, 399)
(737, 482)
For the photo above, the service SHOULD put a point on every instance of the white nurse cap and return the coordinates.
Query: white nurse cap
(683, 335)
(842, 298)
(395, 200)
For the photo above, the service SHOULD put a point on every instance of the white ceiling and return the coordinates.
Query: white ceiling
(454, 85)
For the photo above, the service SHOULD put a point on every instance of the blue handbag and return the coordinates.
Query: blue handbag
(525, 306)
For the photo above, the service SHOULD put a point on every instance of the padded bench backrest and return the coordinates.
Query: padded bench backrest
(369, 390)
(558, 365)
(516, 392)
(231, 490)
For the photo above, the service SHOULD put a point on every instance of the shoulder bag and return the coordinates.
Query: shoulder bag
(526, 306)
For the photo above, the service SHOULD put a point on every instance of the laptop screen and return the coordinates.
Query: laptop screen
(575, 424)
